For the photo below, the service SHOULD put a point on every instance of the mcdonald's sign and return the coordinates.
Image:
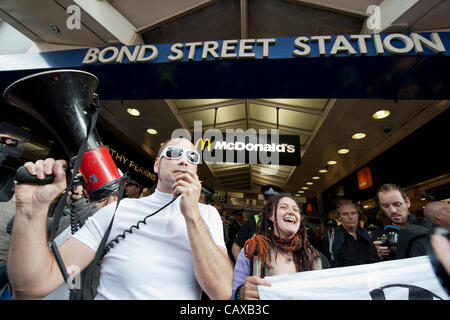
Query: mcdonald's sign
(248, 147)
(203, 141)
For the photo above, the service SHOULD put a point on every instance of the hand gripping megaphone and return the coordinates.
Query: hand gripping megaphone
(66, 103)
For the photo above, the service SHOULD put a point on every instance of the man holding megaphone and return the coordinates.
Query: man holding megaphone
(174, 250)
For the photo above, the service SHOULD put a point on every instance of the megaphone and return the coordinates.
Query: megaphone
(65, 102)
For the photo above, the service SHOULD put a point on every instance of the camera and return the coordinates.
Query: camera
(389, 238)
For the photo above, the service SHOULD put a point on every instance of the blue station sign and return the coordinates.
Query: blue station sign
(390, 66)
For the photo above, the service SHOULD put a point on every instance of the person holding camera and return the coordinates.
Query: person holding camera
(411, 238)
(176, 254)
(350, 244)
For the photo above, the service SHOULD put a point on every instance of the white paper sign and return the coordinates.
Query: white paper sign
(404, 279)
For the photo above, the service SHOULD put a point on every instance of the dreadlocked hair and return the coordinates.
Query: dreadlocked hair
(303, 258)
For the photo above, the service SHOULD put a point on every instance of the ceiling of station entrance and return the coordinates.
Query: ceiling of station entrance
(295, 116)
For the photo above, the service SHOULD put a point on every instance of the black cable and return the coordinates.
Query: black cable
(116, 240)
(75, 222)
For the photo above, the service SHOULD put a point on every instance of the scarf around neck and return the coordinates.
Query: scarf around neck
(293, 244)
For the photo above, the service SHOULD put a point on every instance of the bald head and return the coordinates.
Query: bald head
(438, 212)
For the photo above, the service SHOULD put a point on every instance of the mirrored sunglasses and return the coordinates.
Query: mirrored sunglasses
(176, 153)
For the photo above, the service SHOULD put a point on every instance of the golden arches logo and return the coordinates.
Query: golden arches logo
(203, 144)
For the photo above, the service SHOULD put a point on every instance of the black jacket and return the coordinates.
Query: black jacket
(337, 244)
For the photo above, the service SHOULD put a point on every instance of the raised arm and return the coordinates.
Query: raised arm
(212, 266)
(32, 269)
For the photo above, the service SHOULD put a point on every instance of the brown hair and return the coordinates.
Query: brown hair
(304, 257)
(392, 187)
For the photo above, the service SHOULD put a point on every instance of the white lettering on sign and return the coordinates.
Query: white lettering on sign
(351, 45)
(240, 146)
(395, 43)
(435, 44)
(111, 54)
(300, 43)
(341, 44)
(176, 49)
(406, 47)
(210, 48)
(361, 38)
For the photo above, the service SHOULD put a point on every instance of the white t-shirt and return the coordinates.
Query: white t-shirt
(155, 261)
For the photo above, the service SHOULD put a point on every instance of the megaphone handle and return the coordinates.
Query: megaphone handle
(23, 176)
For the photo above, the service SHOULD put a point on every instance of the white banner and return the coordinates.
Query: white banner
(405, 279)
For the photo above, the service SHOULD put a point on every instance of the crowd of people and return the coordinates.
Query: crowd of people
(182, 245)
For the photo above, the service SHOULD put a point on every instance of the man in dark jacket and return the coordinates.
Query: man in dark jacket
(412, 235)
(351, 244)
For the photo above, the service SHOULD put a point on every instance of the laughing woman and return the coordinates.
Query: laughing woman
(279, 246)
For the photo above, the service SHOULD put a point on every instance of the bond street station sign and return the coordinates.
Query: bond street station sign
(260, 48)
(388, 66)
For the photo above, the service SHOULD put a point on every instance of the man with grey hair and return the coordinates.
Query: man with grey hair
(351, 244)
(438, 212)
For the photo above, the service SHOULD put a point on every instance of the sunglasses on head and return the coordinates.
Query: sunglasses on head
(176, 153)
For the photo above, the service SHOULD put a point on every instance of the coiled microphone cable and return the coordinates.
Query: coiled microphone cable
(116, 240)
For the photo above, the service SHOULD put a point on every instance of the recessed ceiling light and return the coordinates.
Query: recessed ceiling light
(381, 114)
(343, 151)
(309, 183)
(305, 188)
(301, 191)
(359, 135)
(331, 162)
(315, 178)
(152, 131)
(134, 112)
(323, 170)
